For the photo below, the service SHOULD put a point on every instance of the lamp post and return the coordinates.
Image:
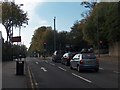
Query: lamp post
(20, 25)
(54, 34)
(11, 31)
(98, 36)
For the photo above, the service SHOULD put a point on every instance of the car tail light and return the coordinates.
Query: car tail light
(68, 58)
(81, 62)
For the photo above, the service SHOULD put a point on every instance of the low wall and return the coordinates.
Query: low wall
(114, 49)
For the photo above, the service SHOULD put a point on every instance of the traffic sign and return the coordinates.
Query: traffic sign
(16, 39)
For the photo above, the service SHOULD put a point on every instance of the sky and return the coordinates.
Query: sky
(42, 13)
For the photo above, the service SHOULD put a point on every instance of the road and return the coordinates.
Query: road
(48, 74)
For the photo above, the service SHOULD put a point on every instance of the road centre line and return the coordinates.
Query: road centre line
(43, 69)
(36, 62)
(46, 61)
(52, 64)
(101, 68)
(116, 72)
(82, 78)
(62, 68)
(36, 84)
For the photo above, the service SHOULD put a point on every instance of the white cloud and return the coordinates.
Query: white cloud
(34, 20)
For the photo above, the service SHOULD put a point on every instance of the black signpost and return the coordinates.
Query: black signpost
(19, 62)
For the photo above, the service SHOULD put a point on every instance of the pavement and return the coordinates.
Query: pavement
(11, 80)
(9, 77)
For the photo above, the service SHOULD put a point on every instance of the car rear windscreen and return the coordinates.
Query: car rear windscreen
(88, 56)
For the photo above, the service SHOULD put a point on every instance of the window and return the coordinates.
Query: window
(88, 56)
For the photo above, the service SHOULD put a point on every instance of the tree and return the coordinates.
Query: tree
(12, 16)
(62, 40)
(103, 20)
(19, 50)
(42, 35)
(77, 37)
(6, 51)
(112, 23)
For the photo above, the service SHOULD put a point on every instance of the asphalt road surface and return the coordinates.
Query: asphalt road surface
(48, 74)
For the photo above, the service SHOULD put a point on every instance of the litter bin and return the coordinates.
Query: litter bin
(19, 67)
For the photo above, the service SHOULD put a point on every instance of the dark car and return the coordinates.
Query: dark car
(57, 55)
(67, 57)
(85, 61)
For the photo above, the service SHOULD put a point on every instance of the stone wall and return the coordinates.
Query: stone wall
(114, 49)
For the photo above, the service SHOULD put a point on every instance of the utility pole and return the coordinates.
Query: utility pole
(54, 34)
(98, 41)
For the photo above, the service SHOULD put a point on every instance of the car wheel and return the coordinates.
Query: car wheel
(66, 63)
(61, 62)
(71, 66)
(78, 68)
(96, 69)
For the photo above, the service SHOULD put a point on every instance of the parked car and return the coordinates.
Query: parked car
(67, 57)
(57, 55)
(84, 61)
(85, 50)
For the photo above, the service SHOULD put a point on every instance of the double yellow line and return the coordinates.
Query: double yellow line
(34, 84)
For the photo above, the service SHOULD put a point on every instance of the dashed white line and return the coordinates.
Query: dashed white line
(62, 68)
(43, 69)
(46, 61)
(101, 68)
(36, 62)
(52, 64)
(36, 84)
(116, 72)
(82, 78)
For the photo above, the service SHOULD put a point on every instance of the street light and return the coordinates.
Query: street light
(54, 35)
(20, 25)
(98, 37)
(11, 8)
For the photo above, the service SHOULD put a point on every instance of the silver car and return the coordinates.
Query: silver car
(84, 61)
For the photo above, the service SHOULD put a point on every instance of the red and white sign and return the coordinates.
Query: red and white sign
(16, 39)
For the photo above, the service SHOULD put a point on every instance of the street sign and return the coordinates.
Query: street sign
(16, 39)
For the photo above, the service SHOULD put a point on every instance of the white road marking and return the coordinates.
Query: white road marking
(101, 68)
(46, 61)
(43, 69)
(36, 62)
(116, 72)
(62, 68)
(52, 64)
(82, 78)
(36, 84)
